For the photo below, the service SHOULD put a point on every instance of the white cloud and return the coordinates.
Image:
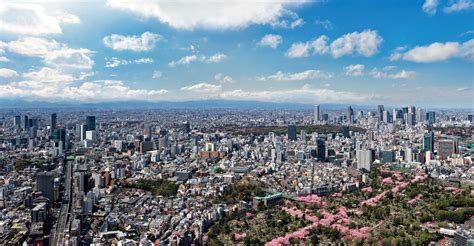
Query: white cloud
(354, 69)
(403, 74)
(50, 75)
(182, 14)
(115, 61)
(4, 59)
(326, 24)
(459, 5)
(203, 87)
(7, 73)
(224, 79)
(305, 75)
(435, 52)
(430, 6)
(145, 42)
(52, 52)
(156, 74)
(31, 19)
(218, 57)
(364, 43)
(93, 91)
(271, 40)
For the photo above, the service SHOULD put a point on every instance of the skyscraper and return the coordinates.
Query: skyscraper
(90, 122)
(431, 117)
(291, 132)
(317, 113)
(26, 122)
(350, 115)
(321, 149)
(428, 142)
(54, 122)
(446, 148)
(83, 132)
(17, 121)
(380, 109)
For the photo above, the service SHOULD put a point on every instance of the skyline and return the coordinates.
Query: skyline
(311, 52)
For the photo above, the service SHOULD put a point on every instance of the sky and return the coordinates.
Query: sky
(367, 52)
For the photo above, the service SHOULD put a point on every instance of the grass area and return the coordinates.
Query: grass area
(159, 187)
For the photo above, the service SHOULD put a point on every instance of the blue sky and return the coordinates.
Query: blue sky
(363, 52)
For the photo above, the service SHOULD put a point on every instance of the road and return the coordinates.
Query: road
(63, 222)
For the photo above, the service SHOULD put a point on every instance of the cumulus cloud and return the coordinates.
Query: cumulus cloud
(218, 57)
(115, 61)
(156, 74)
(326, 24)
(203, 87)
(271, 40)
(224, 79)
(364, 43)
(383, 74)
(93, 91)
(459, 5)
(32, 19)
(435, 52)
(52, 53)
(7, 73)
(145, 42)
(430, 6)
(50, 75)
(354, 70)
(4, 59)
(182, 14)
(305, 75)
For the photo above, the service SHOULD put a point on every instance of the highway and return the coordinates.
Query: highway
(64, 220)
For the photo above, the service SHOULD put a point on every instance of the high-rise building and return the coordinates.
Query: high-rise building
(321, 149)
(45, 184)
(59, 136)
(54, 122)
(420, 115)
(350, 115)
(428, 142)
(410, 119)
(325, 117)
(470, 118)
(292, 132)
(90, 122)
(317, 113)
(364, 158)
(388, 156)
(380, 109)
(446, 148)
(386, 116)
(431, 117)
(17, 121)
(26, 122)
(83, 132)
(91, 135)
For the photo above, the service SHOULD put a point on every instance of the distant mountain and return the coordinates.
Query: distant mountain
(201, 104)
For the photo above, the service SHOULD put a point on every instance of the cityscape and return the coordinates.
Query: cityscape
(193, 123)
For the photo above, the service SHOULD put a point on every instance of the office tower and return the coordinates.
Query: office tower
(446, 148)
(90, 122)
(33, 123)
(17, 121)
(345, 131)
(53, 122)
(45, 184)
(291, 132)
(409, 154)
(428, 142)
(411, 109)
(410, 119)
(83, 132)
(59, 137)
(350, 115)
(325, 117)
(380, 109)
(317, 113)
(303, 135)
(420, 115)
(385, 116)
(26, 122)
(321, 149)
(431, 117)
(91, 135)
(470, 118)
(388, 156)
(186, 126)
(364, 158)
